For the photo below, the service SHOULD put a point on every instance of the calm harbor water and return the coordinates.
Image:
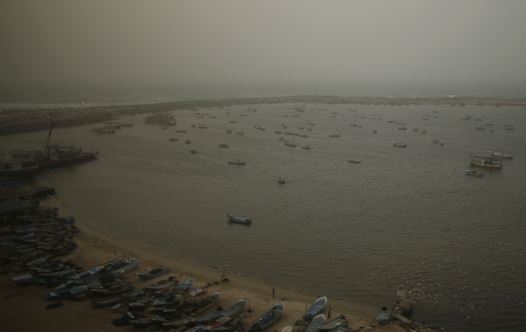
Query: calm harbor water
(404, 220)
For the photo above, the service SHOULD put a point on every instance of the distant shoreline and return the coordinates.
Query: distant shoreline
(13, 121)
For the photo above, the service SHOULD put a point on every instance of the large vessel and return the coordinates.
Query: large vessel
(487, 163)
(57, 155)
(17, 168)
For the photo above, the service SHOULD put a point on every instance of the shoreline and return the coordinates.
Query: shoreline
(94, 248)
(258, 292)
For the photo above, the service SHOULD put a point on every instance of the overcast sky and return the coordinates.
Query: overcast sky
(244, 47)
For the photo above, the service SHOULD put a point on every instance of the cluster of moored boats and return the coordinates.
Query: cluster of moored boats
(493, 160)
(110, 127)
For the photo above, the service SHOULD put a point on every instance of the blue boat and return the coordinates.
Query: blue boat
(316, 308)
(268, 318)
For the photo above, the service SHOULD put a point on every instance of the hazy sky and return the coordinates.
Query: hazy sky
(239, 47)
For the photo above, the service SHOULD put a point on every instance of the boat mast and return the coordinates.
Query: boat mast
(49, 138)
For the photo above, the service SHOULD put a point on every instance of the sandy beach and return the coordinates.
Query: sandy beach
(19, 303)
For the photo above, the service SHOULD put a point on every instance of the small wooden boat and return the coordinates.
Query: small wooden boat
(398, 144)
(316, 308)
(316, 323)
(238, 220)
(336, 323)
(154, 273)
(236, 162)
(268, 318)
(471, 172)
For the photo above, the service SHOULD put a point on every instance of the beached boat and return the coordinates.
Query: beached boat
(336, 323)
(233, 311)
(238, 220)
(383, 317)
(268, 318)
(236, 162)
(398, 144)
(487, 163)
(154, 273)
(316, 308)
(316, 323)
(471, 172)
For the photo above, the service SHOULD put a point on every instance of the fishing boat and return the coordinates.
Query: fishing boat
(316, 323)
(471, 172)
(233, 311)
(268, 318)
(238, 220)
(17, 168)
(487, 163)
(354, 161)
(236, 162)
(316, 308)
(153, 273)
(500, 155)
(336, 323)
(398, 144)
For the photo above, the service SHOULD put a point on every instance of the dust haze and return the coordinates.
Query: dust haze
(195, 48)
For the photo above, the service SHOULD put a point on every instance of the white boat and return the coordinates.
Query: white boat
(471, 172)
(398, 144)
(500, 155)
(487, 163)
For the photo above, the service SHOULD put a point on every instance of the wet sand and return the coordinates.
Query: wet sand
(23, 308)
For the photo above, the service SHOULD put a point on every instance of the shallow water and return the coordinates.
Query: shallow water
(403, 220)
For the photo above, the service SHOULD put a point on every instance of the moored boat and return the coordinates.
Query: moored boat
(398, 144)
(487, 163)
(238, 220)
(471, 172)
(237, 162)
